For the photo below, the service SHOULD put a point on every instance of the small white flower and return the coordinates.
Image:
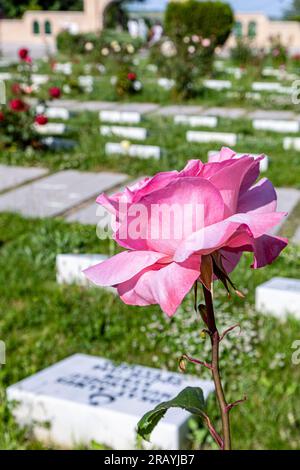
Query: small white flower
(105, 51)
(130, 49)
(206, 42)
(186, 40)
(168, 49)
(191, 49)
(89, 46)
(137, 85)
(113, 80)
(67, 89)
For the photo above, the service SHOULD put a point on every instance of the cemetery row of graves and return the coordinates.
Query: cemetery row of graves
(227, 85)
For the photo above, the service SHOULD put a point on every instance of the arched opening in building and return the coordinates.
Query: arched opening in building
(36, 27)
(238, 29)
(48, 27)
(252, 29)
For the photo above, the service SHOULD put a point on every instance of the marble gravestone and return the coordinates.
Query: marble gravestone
(70, 267)
(205, 137)
(279, 297)
(86, 398)
(135, 133)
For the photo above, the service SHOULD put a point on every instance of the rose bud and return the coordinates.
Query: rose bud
(41, 119)
(55, 92)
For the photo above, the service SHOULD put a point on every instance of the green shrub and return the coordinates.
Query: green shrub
(212, 20)
(194, 29)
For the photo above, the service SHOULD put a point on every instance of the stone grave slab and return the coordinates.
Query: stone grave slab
(94, 214)
(204, 137)
(11, 176)
(264, 164)
(132, 150)
(272, 115)
(57, 193)
(69, 268)
(276, 125)
(196, 121)
(87, 398)
(230, 113)
(141, 108)
(170, 111)
(59, 143)
(279, 297)
(135, 133)
(120, 117)
(93, 106)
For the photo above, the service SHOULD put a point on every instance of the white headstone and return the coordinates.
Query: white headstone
(264, 164)
(6, 76)
(135, 133)
(39, 79)
(166, 83)
(276, 125)
(195, 121)
(279, 297)
(217, 84)
(265, 86)
(291, 143)
(121, 117)
(65, 68)
(86, 398)
(199, 136)
(52, 128)
(58, 113)
(140, 151)
(69, 268)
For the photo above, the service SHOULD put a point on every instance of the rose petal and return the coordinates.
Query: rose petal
(163, 285)
(121, 267)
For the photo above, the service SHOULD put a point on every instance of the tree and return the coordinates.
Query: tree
(293, 13)
(16, 8)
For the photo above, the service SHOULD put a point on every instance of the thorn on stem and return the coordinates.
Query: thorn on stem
(236, 403)
(185, 357)
(225, 333)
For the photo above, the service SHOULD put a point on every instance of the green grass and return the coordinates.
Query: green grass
(42, 322)
(89, 154)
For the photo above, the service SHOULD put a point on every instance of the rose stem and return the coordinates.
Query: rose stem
(215, 342)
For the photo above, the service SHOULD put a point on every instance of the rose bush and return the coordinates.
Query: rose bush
(237, 215)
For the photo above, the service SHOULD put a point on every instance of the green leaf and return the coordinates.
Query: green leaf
(190, 399)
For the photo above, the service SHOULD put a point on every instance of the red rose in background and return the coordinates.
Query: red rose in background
(23, 53)
(41, 120)
(131, 76)
(2, 117)
(55, 92)
(18, 105)
(16, 89)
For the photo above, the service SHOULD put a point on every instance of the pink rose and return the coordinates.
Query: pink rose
(217, 212)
